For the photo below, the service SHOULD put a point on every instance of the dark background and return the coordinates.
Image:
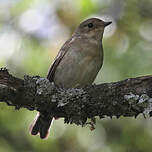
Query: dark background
(31, 34)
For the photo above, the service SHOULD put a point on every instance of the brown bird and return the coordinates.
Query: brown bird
(76, 65)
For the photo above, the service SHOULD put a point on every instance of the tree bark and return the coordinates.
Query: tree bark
(129, 97)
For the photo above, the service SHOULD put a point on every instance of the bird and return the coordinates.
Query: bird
(75, 66)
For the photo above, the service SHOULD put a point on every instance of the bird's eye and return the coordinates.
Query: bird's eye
(90, 25)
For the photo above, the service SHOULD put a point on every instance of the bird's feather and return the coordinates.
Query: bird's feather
(58, 58)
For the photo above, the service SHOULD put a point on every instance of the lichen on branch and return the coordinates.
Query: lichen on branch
(129, 97)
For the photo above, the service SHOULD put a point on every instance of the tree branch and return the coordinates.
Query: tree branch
(129, 97)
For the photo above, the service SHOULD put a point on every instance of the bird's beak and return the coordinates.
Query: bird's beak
(107, 23)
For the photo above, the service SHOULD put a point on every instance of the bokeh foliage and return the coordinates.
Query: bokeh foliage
(31, 34)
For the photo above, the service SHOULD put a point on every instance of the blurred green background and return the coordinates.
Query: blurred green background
(31, 34)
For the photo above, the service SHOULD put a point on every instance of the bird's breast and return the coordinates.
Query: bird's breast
(79, 66)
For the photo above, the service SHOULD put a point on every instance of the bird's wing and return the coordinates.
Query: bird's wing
(58, 58)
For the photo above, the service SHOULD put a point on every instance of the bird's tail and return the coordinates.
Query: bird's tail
(41, 125)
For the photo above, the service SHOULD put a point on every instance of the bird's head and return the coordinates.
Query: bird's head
(92, 28)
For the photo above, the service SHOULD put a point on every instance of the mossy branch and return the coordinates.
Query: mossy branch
(129, 97)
